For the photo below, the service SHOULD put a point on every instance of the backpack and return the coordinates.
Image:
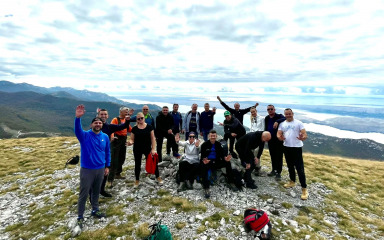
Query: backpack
(258, 221)
(151, 163)
(72, 160)
(224, 145)
(159, 232)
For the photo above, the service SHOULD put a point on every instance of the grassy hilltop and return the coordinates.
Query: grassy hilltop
(32, 168)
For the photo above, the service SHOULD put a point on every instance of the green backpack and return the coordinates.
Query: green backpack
(159, 232)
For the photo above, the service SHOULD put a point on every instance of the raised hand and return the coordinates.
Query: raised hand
(131, 111)
(228, 158)
(80, 110)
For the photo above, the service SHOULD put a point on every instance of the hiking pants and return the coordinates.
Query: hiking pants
(118, 153)
(138, 154)
(159, 144)
(90, 180)
(294, 159)
(188, 171)
(243, 158)
(276, 149)
(213, 165)
(169, 145)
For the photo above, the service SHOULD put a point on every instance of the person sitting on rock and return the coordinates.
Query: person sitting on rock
(245, 146)
(190, 165)
(212, 157)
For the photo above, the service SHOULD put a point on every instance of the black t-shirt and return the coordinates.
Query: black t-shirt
(193, 123)
(142, 138)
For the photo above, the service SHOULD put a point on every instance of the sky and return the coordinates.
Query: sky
(252, 46)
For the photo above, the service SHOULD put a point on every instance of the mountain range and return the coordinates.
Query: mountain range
(31, 111)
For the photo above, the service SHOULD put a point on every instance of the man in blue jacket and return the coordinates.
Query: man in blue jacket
(95, 162)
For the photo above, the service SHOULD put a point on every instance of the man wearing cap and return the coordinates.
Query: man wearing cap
(233, 129)
(245, 146)
(95, 162)
(118, 147)
(237, 112)
(189, 167)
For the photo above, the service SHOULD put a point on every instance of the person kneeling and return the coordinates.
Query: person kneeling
(189, 166)
(212, 157)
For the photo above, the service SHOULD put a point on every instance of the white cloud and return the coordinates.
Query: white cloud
(289, 45)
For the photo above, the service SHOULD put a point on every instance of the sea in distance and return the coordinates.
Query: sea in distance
(341, 116)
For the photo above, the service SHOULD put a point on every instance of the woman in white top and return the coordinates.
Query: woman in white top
(257, 124)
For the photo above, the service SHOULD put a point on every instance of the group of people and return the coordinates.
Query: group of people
(103, 147)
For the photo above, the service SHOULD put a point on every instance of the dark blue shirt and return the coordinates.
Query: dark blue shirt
(206, 120)
(177, 121)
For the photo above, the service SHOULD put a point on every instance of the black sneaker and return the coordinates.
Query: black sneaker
(207, 194)
(106, 194)
(80, 222)
(98, 214)
(272, 173)
(251, 185)
(278, 177)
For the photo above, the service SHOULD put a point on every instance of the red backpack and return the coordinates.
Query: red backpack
(150, 165)
(258, 221)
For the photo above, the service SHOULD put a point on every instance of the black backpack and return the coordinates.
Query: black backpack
(73, 160)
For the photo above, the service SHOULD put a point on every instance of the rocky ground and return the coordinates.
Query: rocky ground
(281, 205)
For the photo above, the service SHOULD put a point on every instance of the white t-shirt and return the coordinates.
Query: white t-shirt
(291, 131)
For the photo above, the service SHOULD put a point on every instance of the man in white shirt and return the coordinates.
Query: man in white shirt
(293, 133)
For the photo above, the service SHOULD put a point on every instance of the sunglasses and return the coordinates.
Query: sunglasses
(140, 118)
(270, 109)
(191, 136)
(145, 109)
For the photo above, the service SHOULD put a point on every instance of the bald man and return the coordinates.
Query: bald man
(245, 146)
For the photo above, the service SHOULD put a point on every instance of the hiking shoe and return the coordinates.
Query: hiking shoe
(278, 177)
(98, 214)
(207, 193)
(181, 187)
(189, 185)
(234, 155)
(80, 222)
(176, 155)
(118, 176)
(109, 184)
(251, 185)
(272, 173)
(105, 194)
(160, 181)
(290, 184)
(305, 194)
(136, 185)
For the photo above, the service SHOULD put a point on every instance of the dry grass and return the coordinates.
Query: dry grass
(357, 197)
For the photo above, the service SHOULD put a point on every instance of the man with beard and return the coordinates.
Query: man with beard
(109, 129)
(95, 162)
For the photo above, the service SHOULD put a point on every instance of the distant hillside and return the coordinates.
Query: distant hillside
(36, 112)
(10, 87)
(352, 148)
